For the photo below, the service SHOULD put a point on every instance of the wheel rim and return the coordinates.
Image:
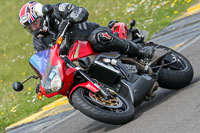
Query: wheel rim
(114, 103)
(173, 63)
(178, 65)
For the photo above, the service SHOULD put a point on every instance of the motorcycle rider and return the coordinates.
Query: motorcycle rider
(101, 38)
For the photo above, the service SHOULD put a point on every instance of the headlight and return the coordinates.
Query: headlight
(56, 83)
(52, 83)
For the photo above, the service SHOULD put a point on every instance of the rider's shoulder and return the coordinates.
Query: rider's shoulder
(63, 6)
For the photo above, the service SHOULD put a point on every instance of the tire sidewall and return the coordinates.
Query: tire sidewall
(172, 79)
(100, 114)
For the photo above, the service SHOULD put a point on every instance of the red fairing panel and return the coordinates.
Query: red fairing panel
(121, 29)
(88, 85)
(80, 49)
(66, 74)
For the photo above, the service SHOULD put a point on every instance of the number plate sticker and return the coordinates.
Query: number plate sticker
(52, 74)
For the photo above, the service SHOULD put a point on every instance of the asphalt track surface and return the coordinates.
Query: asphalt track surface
(170, 112)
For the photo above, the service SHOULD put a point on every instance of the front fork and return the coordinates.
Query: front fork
(90, 84)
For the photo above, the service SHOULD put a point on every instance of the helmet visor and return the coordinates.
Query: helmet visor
(36, 26)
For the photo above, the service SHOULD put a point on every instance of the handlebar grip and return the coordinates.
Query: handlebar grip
(62, 25)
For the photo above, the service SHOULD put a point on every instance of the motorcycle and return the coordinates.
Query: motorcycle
(107, 86)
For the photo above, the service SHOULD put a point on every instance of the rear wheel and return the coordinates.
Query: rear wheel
(114, 110)
(176, 75)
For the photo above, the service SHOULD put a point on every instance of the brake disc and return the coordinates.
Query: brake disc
(110, 102)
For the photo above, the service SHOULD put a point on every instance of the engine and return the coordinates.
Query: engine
(104, 68)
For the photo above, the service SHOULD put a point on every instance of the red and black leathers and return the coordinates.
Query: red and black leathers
(79, 31)
(100, 38)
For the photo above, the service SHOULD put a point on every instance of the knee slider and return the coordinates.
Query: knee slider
(104, 37)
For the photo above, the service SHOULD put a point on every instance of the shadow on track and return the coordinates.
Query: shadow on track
(162, 96)
(99, 127)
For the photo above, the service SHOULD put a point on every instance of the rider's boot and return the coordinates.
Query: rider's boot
(132, 49)
(140, 51)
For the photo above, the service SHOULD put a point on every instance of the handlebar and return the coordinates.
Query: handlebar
(61, 35)
(64, 30)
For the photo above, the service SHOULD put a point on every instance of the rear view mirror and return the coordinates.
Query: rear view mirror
(17, 86)
(132, 23)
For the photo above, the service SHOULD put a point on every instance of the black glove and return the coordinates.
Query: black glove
(62, 25)
(71, 20)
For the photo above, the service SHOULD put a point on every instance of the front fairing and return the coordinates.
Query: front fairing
(55, 77)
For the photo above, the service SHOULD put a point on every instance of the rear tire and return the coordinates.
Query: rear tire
(172, 78)
(84, 104)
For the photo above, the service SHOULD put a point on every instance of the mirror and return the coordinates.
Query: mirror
(132, 23)
(17, 86)
(47, 10)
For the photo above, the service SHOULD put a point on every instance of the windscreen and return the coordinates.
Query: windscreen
(40, 60)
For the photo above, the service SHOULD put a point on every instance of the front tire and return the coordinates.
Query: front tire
(116, 112)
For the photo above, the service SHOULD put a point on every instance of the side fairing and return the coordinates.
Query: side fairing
(79, 50)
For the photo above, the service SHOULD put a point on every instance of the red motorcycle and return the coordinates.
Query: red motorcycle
(107, 86)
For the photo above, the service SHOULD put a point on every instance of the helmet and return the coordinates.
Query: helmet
(31, 17)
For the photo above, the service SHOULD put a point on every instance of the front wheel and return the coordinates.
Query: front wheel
(113, 110)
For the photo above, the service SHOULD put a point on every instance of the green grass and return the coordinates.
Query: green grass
(16, 44)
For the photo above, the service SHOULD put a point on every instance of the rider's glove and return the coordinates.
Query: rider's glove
(62, 25)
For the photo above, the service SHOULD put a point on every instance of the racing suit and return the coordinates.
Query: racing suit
(100, 38)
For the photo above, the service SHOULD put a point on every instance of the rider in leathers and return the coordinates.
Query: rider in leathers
(100, 38)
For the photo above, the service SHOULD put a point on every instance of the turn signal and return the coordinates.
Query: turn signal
(39, 95)
(59, 41)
